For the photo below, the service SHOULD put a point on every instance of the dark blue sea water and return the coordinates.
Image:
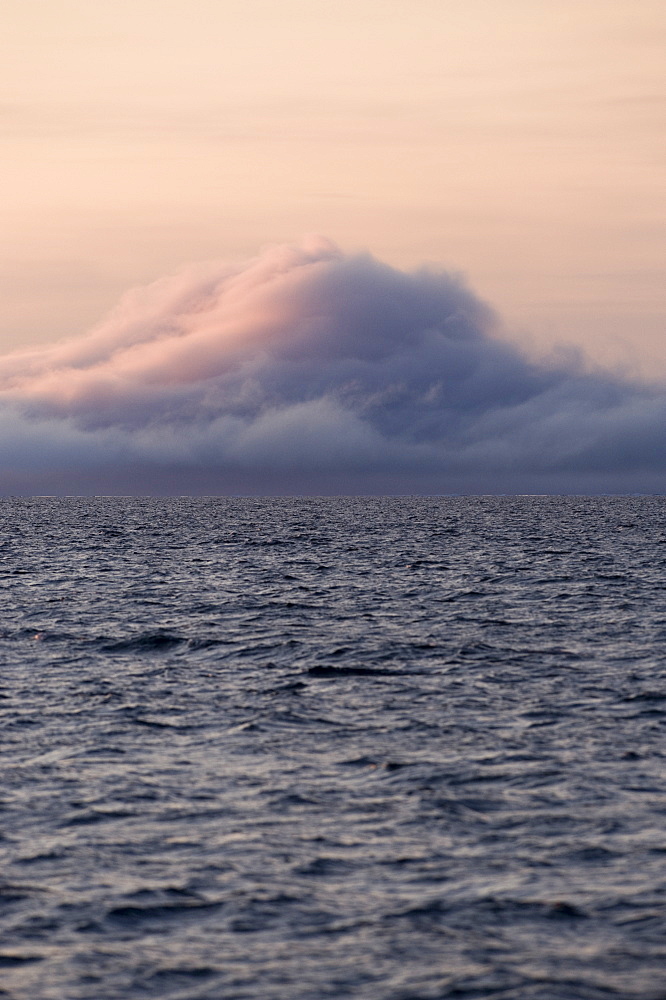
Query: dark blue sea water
(387, 749)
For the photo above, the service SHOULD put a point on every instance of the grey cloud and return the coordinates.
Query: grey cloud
(309, 371)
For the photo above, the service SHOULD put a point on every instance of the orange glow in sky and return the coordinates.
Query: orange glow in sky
(521, 143)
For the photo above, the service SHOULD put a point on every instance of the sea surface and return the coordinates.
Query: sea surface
(295, 749)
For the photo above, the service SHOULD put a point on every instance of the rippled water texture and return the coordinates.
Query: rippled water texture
(372, 748)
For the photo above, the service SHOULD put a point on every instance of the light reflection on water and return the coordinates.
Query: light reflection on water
(374, 748)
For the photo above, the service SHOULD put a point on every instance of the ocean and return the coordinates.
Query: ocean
(294, 749)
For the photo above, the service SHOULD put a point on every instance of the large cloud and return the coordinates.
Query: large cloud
(306, 371)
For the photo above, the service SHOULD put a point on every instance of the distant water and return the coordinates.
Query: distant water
(387, 749)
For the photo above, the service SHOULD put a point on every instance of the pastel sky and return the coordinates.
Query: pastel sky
(362, 246)
(520, 142)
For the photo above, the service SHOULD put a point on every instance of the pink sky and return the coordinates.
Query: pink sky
(521, 143)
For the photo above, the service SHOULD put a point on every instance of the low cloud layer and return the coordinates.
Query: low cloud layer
(309, 371)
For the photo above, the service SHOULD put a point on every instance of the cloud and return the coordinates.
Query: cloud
(305, 370)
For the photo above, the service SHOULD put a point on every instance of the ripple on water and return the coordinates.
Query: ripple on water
(390, 748)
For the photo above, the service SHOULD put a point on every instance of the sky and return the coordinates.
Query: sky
(513, 149)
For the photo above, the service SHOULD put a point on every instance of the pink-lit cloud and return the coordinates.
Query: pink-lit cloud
(306, 370)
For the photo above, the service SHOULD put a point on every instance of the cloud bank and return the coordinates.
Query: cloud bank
(306, 370)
